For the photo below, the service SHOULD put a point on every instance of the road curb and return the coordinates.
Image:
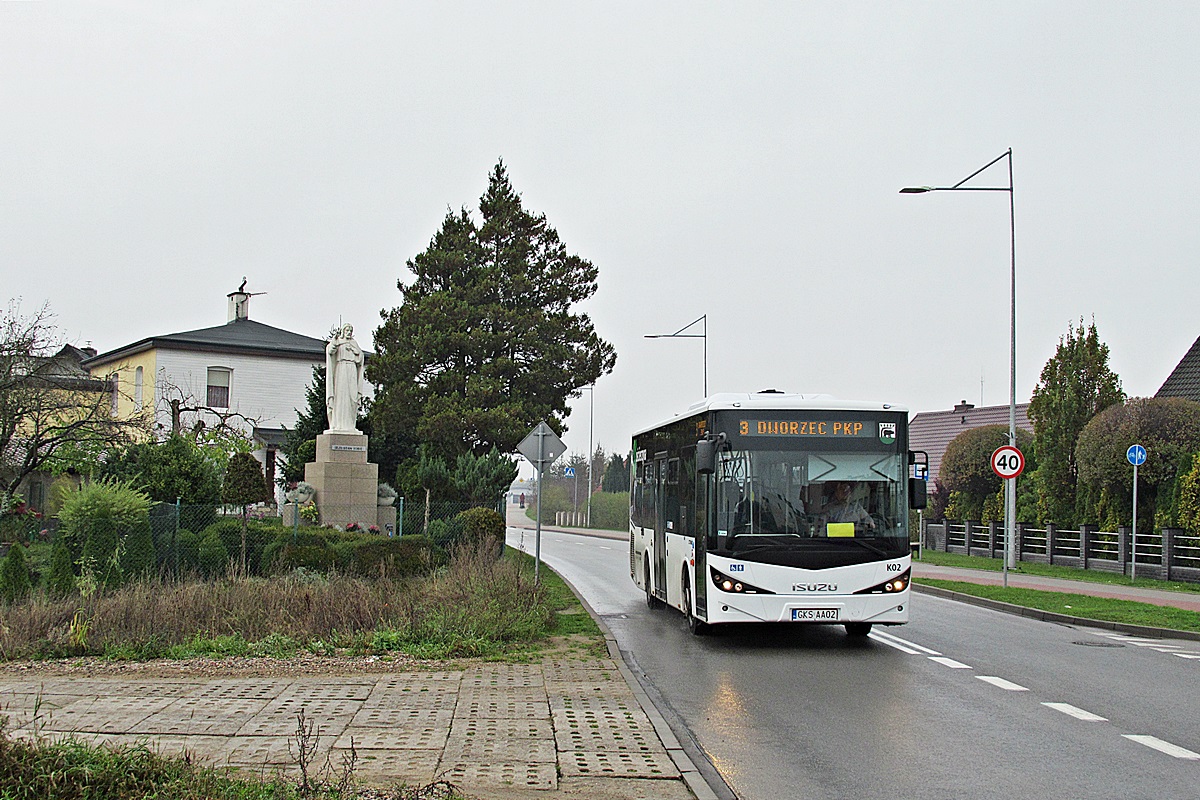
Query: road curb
(693, 778)
(1051, 616)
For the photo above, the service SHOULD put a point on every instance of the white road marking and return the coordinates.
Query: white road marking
(1077, 713)
(1186, 655)
(1163, 747)
(889, 638)
(602, 547)
(949, 662)
(890, 643)
(1002, 684)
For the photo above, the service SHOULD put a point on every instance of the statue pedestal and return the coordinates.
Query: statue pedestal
(347, 484)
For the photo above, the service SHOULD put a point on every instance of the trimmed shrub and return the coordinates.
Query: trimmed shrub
(100, 553)
(139, 559)
(381, 557)
(307, 548)
(14, 576)
(610, 511)
(61, 580)
(188, 546)
(119, 503)
(479, 525)
(211, 555)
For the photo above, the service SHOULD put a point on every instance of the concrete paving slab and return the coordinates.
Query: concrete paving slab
(104, 715)
(618, 763)
(381, 717)
(328, 690)
(486, 750)
(188, 716)
(514, 694)
(416, 738)
(499, 707)
(506, 675)
(481, 776)
(257, 751)
(502, 728)
(590, 731)
(391, 767)
(433, 697)
(258, 689)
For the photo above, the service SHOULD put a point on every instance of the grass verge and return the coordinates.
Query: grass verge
(1080, 605)
(71, 769)
(941, 559)
(477, 606)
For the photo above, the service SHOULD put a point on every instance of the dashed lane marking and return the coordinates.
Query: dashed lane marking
(1008, 686)
(1077, 713)
(949, 662)
(896, 644)
(1163, 747)
(901, 644)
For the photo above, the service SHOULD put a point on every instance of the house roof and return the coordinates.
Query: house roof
(1184, 380)
(931, 431)
(239, 336)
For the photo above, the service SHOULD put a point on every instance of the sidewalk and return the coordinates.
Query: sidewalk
(569, 728)
(1158, 597)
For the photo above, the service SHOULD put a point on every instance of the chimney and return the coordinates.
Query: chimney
(239, 304)
(963, 406)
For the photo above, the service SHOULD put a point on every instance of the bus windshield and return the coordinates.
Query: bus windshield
(775, 501)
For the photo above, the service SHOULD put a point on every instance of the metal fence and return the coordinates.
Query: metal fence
(1170, 554)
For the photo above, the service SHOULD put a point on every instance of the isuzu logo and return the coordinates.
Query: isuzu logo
(814, 587)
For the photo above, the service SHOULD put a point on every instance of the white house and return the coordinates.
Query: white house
(245, 375)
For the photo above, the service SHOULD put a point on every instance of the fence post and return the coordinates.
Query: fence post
(1051, 537)
(945, 535)
(1085, 543)
(1019, 529)
(1168, 550)
(296, 520)
(992, 539)
(400, 518)
(175, 536)
(1123, 548)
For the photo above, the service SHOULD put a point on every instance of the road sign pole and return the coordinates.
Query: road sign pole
(537, 536)
(1133, 543)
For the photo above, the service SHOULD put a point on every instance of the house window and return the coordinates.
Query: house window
(137, 389)
(218, 387)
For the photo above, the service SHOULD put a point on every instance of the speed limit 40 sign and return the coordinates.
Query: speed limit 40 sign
(1008, 461)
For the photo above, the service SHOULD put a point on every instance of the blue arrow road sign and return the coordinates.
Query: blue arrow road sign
(1136, 455)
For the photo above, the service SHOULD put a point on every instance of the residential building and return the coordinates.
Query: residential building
(932, 431)
(246, 376)
(1184, 380)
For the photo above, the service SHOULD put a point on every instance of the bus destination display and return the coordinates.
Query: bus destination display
(829, 428)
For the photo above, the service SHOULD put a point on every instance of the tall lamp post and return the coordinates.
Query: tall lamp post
(591, 483)
(1010, 486)
(679, 334)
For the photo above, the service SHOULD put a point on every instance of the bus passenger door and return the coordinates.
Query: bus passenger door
(660, 525)
(704, 522)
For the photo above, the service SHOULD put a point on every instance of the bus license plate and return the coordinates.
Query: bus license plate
(814, 614)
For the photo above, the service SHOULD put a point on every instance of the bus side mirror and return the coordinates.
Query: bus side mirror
(706, 453)
(706, 456)
(918, 494)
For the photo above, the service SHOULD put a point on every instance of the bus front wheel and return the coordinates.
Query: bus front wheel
(697, 627)
(858, 628)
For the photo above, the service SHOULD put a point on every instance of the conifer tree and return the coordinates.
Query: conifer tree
(245, 484)
(486, 342)
(61, 580)
(1076, 384)
(15, 584)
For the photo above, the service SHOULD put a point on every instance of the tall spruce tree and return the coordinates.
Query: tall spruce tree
(486, 341)
(1076, 384)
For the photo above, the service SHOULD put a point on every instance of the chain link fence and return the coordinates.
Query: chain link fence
(214, 540)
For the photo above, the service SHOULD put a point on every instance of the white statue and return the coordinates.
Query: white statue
(343, 381)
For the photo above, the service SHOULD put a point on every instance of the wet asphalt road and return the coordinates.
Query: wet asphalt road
(961, 703)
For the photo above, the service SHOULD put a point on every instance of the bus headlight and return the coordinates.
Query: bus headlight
(891, 585)
(732, 585)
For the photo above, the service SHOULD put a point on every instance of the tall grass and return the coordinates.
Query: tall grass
(476, 605)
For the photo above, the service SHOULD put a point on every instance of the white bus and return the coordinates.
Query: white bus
(776, 507)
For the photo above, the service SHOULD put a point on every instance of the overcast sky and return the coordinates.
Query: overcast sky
(737, 160)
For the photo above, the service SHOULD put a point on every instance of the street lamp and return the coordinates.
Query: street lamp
(1010, 485)
(679, 334)
(591, 416)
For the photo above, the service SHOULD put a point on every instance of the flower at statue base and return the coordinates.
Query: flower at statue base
(309, 513)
